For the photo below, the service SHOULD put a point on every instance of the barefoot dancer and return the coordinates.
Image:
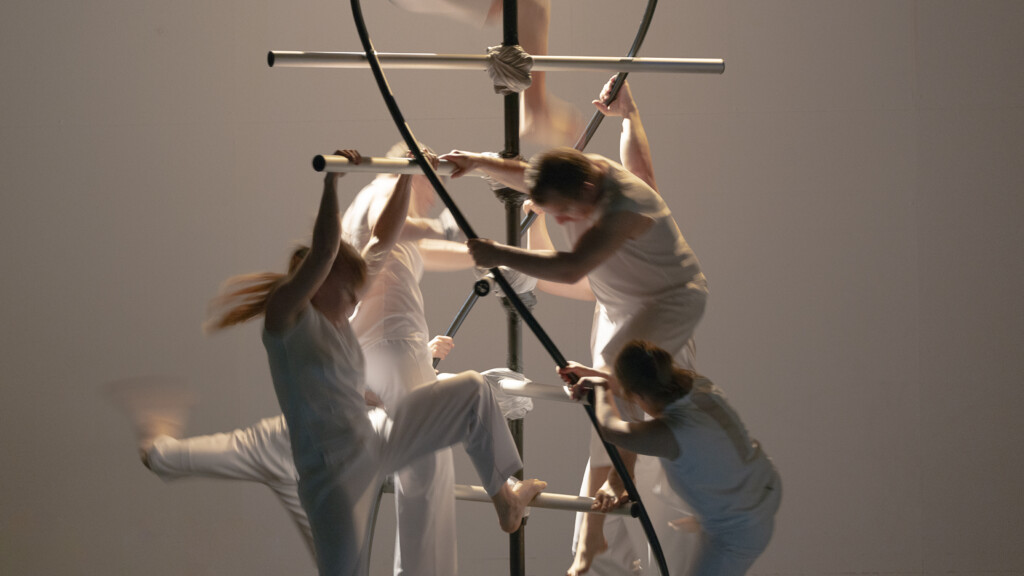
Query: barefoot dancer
(707, 454)
(318, 371)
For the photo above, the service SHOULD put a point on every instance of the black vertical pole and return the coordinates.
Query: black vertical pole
(513, 204)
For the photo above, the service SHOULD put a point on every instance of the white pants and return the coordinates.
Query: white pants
(338, 496)
(425, 542)
(460, 409)
(260, 453)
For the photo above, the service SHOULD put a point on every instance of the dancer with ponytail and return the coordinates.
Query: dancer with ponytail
(317, 365)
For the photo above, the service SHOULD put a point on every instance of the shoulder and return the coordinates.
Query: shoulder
(282, 328)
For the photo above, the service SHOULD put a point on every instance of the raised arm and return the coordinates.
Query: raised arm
(292, 295)
(508, 171)
(634, 149)
(386, 230)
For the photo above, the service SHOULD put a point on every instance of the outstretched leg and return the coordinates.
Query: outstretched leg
(156, 405)
(261, 453)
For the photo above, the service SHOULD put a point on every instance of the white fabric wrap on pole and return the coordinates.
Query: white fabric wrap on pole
(426, 61)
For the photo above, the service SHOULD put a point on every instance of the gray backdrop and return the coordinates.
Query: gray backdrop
(852, 185)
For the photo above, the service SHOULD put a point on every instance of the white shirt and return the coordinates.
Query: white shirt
(318, 377)
(657, 265)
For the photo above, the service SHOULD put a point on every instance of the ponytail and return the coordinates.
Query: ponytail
(244, 297)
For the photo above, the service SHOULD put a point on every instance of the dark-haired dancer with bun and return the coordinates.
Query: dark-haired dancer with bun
(708, 456)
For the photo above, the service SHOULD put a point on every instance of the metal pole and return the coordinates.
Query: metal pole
(428, 61)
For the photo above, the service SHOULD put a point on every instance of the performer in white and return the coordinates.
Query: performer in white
(392, 327)
(318, 371)
(259, 453)
(703, 446)
(628, 254)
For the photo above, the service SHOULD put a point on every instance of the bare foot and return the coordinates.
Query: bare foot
(511, 502)
(591, 544)
(156, 406)
(553, 123)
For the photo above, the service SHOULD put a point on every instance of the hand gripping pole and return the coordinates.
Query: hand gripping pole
(513, 298)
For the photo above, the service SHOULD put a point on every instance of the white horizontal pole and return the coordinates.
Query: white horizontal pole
(396, 60)
(325, 163)
(542, 500)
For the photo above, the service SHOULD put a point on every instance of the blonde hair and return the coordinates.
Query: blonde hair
(244, 297)
(649, 372)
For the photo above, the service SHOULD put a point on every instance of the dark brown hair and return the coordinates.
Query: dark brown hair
(649, 372)
(560, 171)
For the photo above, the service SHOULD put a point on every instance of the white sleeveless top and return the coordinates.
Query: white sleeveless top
(720, 471)
(318, 377)
(392, 308)
(656, 266)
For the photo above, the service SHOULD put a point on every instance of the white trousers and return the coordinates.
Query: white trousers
(338, 496)
(460, 409)
(425, 541)
(260, 453)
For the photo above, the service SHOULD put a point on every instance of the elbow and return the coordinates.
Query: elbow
(571, 272)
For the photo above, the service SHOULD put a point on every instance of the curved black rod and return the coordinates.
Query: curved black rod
(620, 78)
(510, 294)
